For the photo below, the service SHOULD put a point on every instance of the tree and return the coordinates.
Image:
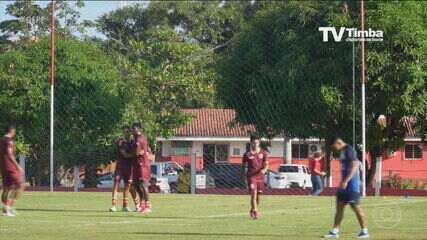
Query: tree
(164, 77)
(267, 73)
(167, 53)
(31, 21)
(281, 77)
(210, 23)
(89, 103)
(397, 73)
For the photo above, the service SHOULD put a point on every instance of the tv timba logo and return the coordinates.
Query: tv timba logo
(351, 34)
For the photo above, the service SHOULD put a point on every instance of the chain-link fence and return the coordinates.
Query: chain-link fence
(202, 77)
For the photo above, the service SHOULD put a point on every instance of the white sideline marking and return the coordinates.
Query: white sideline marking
(389, 203)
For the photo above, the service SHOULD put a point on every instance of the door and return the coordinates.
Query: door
(208, 154)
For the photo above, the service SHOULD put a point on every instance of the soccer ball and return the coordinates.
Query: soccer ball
(382, 121)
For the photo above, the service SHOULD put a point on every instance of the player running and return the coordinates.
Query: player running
(123, 169)
(13, 184)
(349, 191)
(257, 165)
(141, 168)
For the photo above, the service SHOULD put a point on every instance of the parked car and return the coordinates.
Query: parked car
(107, 181)
(162, 184)
(168, 170)
(276, 180)
(296, 175)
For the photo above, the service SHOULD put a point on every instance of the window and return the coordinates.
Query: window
(154, 169)
(215, 153)
(300, 151)
(236, 151)
(182, 148)
(288, 169)
(413, 151)
(221, 153)
(170, 169)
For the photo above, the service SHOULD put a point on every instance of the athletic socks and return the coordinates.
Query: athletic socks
(125, 203)
(136, 201)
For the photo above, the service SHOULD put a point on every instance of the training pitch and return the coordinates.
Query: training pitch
(85, 216)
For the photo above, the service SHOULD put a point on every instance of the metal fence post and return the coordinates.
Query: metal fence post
(193, 172)
(21, 159)
(378, 178)
(76, 175)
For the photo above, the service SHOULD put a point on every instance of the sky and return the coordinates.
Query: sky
(91, 11)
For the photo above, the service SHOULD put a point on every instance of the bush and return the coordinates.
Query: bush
(91, 178)
(395, 181)
(420, 185)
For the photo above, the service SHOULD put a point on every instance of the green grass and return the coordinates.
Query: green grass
(77, 216)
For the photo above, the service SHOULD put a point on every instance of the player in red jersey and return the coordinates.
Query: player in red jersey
(13, 184)
(257, 165)
(141, 168)
(123, 169)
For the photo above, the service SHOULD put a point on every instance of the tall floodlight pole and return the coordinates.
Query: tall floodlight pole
(52, 95)
(363, 74)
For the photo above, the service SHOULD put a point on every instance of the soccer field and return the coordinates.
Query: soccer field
(85, 216)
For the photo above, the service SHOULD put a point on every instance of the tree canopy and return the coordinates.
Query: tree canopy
(89, 102)
(280, 76)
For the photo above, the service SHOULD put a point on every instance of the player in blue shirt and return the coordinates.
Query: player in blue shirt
(349, 190)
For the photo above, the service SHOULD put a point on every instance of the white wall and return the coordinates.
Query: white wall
(276, 150)
(198, 147)
(166, 148)
(239, 145)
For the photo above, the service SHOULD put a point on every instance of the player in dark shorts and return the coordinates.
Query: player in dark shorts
(12, 173)
(141, 168)
(123, 169)
(349, 190)
(257, 165)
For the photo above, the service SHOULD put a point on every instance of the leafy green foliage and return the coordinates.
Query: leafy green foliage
(280, 76)
(164, 79)
(32, 22)
(397, 70)
(88, 104)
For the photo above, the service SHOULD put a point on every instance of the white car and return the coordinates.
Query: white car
(163, 184)
(276, 180)
(167, 170)
(107, 181)
(295, 175)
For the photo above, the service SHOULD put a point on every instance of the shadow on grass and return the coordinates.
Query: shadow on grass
(58, 210)
(171, 234)
(129, 215)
